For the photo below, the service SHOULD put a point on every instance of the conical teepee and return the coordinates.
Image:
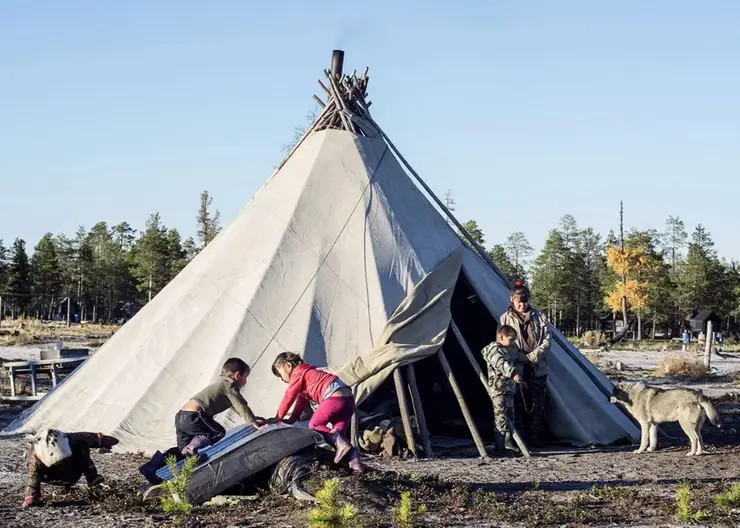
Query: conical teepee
(340, 257)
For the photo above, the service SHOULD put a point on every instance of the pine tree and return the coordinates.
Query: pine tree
(176, 255)
(4, 267)
(46, 275)
(548, 276)
(498, 255)
(19, 275)
(150, 256)
(471, 226)
(702, 277)
(673, 239)
(449, 202)
(208, 223)
(518, 249)
(190, 248)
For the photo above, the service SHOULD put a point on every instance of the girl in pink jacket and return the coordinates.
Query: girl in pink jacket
(336, 403)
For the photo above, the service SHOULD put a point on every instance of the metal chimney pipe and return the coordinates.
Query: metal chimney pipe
(337, 63)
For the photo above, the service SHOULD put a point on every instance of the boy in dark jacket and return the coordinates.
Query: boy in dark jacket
(60, 459)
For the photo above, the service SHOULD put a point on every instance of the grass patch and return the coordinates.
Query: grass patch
(684, 510)
(615, 494)
(23, 332)
(730, 499)
(673, 366)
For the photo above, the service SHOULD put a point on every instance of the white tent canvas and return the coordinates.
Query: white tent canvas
(339, 257)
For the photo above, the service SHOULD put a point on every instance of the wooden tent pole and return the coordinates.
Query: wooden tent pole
(463, 406)
(403, 405)
(353, 429)
(419, 411)
(484, 381)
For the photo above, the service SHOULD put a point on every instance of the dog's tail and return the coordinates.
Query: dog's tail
(710, 411)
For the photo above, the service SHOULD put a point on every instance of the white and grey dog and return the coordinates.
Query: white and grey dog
(652, 405)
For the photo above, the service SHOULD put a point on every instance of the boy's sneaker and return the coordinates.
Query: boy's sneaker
(343, 447)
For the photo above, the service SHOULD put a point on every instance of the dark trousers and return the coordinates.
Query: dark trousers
(189, 424)
(68, 471)
(530, 411)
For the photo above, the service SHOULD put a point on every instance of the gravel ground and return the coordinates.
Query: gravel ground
(556, 487)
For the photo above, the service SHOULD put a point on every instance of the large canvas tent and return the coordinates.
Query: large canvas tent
(340, 257)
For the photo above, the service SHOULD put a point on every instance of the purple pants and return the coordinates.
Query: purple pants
(336, 411)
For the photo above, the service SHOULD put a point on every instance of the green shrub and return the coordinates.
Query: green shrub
(177, 499)
(729, 500)
(683, 506)
(330, 514)
(404, 515)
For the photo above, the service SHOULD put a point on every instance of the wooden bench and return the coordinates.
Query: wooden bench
(54, 367)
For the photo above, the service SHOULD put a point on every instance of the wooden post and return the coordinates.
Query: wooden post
(419, 411)
(403, 405)
(463, 406)
(708, 345)
(33, 379)
(476, 367)
(11, 374)
(69, 307)
(353, 429)
(54, 379)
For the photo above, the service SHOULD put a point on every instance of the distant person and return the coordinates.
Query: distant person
(502, 357)
(60, 459)
(686, 340)
(336, 403)
(533, 338)
(194, 423)
(720, 340)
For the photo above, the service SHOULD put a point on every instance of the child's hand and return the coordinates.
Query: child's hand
(517, 378)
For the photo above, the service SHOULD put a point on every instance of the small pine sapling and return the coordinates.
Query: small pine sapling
(176, 501)
(404, 515)
(330, 514)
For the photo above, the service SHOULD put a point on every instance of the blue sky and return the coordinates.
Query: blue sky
(525, 110)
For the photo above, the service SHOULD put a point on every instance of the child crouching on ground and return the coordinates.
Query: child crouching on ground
(501, 358)
(336, 403)
(194, 423)
(60, 459)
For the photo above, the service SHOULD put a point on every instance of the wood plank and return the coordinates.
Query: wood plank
(22, 398)
(419, 411)
(463, 406)
(403, 405)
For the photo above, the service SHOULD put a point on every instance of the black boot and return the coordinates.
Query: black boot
(500, 444)
(510, 444)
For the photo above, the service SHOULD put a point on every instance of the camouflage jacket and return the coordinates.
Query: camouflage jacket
(501, 363)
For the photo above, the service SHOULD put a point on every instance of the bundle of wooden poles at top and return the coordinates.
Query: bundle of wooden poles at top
(345, 107)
